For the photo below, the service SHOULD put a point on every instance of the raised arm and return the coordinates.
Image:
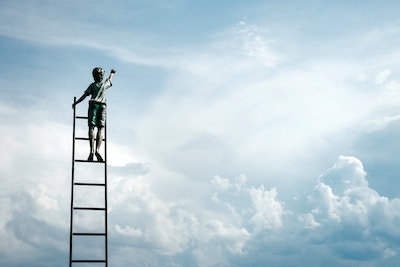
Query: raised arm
(112, 72)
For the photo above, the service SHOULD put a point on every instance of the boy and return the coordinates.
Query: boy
(97, 109)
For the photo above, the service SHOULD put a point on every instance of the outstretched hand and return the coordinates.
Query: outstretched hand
(112, 71)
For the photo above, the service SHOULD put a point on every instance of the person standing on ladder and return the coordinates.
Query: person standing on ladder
(97, 109)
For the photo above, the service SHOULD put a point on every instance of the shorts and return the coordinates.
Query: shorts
(97, 114)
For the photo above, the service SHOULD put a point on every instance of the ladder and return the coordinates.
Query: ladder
(86, 244)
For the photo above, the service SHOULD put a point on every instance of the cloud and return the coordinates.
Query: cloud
(237, 120)
(28, 231)
(255, 43)
(381, 32)
(35, 174)
(347, 220)
(382, 76)
(235, 220)
(161, 227)
(351, 218)
(139, 218)
(32, 23)
(267, 211)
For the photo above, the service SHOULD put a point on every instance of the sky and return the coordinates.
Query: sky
(240, 133)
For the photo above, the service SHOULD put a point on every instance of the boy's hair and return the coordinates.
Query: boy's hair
(98, 74)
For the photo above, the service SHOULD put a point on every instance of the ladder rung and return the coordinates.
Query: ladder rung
(83, 160)
(90, 234)
(85, 138)
(88, 261)
(81, 117)
(88, 208)
(90, 184)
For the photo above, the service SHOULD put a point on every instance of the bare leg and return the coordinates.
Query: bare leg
(99, 139)
(91, 142)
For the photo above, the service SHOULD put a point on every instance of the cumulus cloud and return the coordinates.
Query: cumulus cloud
(267, 211)
(162, 227)
(28, 230)
(347, 219)
(140, 218)
(351, 218)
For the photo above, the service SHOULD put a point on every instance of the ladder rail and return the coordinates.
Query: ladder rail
(105, 195)
(72, 187)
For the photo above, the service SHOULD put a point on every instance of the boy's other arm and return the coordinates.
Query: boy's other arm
(80, 99)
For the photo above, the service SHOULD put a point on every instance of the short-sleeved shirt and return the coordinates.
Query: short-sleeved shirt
(97, 90)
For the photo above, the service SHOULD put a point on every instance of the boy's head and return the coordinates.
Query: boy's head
(98, 74)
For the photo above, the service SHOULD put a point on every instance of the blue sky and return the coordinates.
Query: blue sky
(240, 133)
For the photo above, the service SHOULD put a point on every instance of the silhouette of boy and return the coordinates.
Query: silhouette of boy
(97, 109)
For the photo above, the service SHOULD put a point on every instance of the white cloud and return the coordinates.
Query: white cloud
(221, 183)
(346, 174)
(308, 221)
(382, 76)
(139, 214)
(348, 211)
(234, 238)
(32, 23)
(256, 43)
(267, 210)
(170, 228)
(240, 119)
(129, 231)
(379, 33)
(381, 123)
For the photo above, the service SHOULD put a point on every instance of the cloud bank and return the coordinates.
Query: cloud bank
(238, 224)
